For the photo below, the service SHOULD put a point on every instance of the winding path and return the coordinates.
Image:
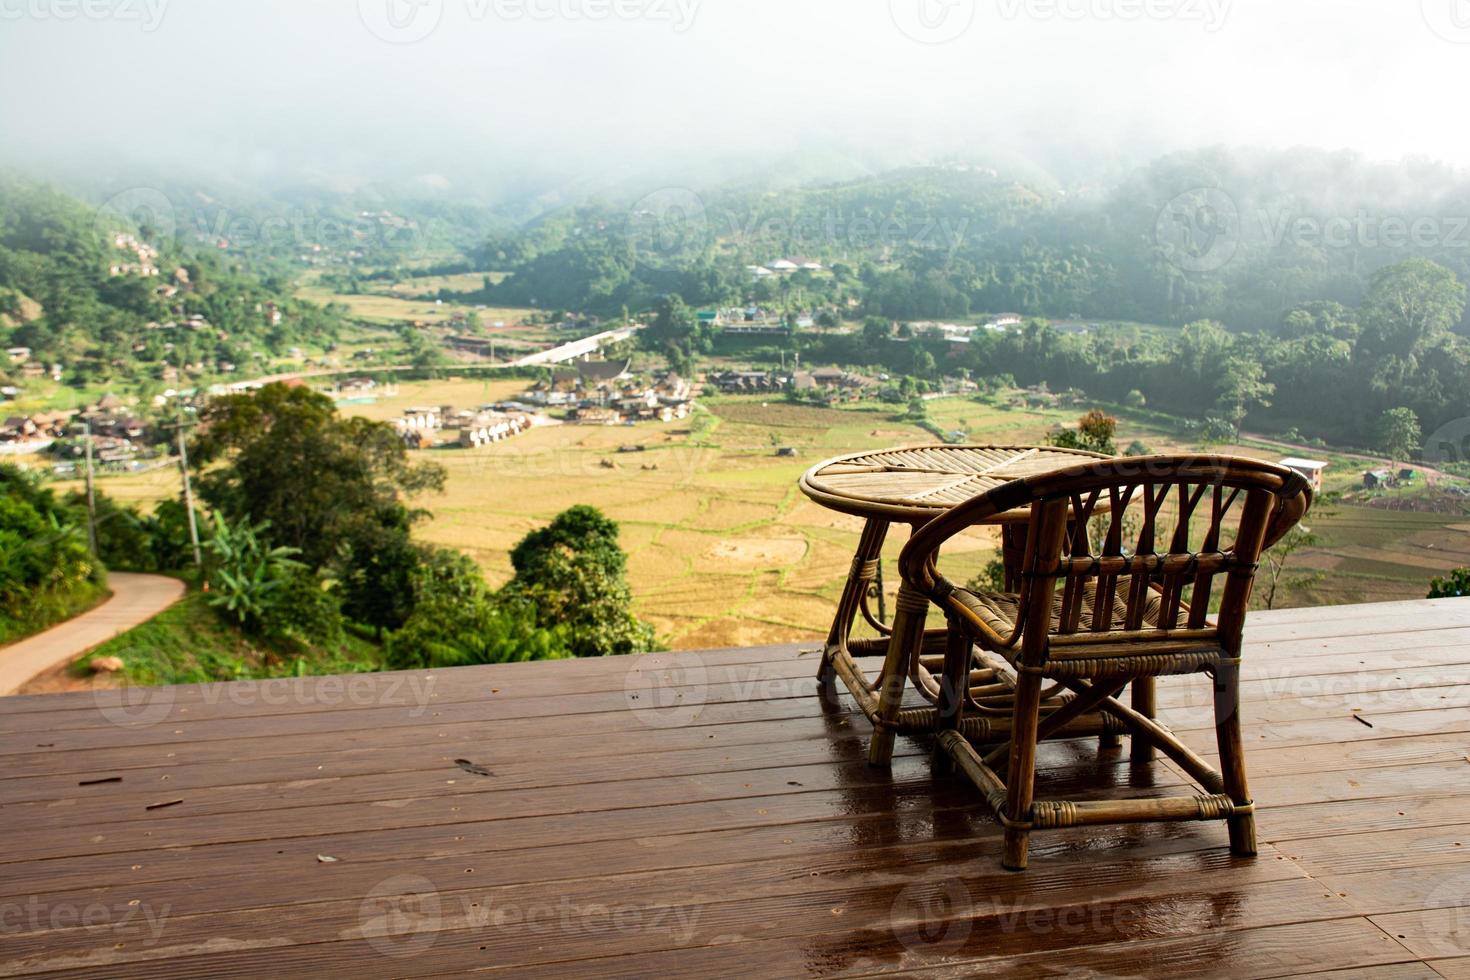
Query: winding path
(135, 600)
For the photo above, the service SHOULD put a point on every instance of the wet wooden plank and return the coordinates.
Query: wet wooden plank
(759, 815)
(1433, 933)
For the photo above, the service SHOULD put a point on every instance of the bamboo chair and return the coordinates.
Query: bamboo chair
(1090, 619)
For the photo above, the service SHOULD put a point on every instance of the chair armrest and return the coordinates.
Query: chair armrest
(914, 562)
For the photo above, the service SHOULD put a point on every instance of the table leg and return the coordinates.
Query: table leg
(863, 573)
(908, 632)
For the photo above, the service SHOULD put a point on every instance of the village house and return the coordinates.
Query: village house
(489, 428)
(829, 379)
(1310, 468)
(672, 388)
(748, 382)
(596, 415)
(419, 420)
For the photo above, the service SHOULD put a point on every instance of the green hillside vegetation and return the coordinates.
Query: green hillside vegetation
(190, 643)
(63, 299)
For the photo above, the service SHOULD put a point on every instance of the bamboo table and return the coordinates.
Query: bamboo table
(913, 486)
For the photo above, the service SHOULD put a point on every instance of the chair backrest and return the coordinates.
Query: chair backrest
(1134, 544)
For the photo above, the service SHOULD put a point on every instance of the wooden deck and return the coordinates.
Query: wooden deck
(706, 815)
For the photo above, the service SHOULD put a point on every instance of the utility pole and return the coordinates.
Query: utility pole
(179, 428)
(189, 496)
(91, 495)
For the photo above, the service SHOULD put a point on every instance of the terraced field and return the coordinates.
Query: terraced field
(725, 551)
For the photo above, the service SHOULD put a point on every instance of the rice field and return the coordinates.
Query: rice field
(725, 551)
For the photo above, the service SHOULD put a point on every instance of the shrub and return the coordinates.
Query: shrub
(302, 615)
(1453, 585)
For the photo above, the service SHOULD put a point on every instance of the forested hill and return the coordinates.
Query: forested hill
(1240, 238)
(112, 300)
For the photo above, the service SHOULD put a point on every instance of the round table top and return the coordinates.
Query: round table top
(918, 483)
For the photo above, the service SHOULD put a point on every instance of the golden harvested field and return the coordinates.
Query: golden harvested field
(380, 308)
(725, 551)
(723, 548)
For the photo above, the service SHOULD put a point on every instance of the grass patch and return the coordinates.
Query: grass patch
(43, 612)
(189, 643)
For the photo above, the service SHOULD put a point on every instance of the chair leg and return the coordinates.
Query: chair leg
(1145, 702)
(908, 631)
(1022, 771)
(826, 672)
(953, 689)
(1232, 757)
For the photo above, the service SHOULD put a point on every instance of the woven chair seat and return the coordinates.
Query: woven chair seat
(999, 610)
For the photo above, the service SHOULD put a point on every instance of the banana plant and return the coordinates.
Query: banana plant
(248, 573)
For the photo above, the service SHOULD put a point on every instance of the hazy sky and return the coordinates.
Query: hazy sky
(456, 88)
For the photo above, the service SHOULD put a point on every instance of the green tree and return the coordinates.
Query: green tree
(1452, 586)
(1094, 433)
(1398, 434)
(1408, 305)
(456, 621)
(573, 573)
(1242, 386)
(324, 484)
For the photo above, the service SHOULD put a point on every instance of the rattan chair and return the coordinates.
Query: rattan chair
(1101, 607)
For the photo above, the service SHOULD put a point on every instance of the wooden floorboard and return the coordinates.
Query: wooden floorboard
(706, 814)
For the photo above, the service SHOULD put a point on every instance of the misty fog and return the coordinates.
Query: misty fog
(472, 95)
